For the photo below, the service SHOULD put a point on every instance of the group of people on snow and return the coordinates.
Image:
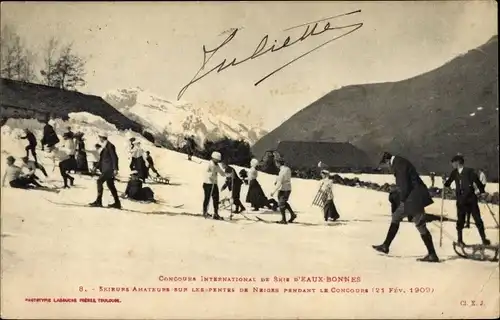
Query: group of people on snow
(408, 200)
(413, 197)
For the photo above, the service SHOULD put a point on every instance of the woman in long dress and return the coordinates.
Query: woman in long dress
(81, 156)
(255, 195)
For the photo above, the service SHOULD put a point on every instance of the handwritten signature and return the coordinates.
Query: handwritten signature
(262, 49)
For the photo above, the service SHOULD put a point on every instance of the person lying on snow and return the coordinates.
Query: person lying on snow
(32, 166)
(135, 191)
(16, 178)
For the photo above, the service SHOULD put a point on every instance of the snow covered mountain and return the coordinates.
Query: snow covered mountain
(178, 119)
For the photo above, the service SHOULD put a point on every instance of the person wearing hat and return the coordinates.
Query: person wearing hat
(31, 143)
(190, 146)
(131, 152)
(138, 160)
(255, 195)
(284, 189)
(151, 164)
(330, 212)
(32, 166)
(414, 197)
(70, 148)
(210, 187)
(233, 183)
(50, 137)
(81, 155)
(108, 166)
(16, 178)
(135, 190)
(65, 163)
(466, 198)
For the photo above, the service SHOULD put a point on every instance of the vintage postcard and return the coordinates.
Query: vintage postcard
(249, 160)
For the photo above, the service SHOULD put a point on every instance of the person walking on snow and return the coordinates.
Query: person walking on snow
(329, 210)
(210, 187)
(191, 146)
(31, 143)
(62, 155)
(466, 198)
(70, 148)
(233, 183)
(414, 197)
(151, 164)
(284, 189)
(108, 166)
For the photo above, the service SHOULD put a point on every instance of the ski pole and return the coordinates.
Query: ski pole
(441, 219)
(492, 214)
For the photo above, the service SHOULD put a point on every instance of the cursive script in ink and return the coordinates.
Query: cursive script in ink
(312, 29)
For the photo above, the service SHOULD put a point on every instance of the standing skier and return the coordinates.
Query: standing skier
(210, 187)
(414, 197)
(62, 155)
(233, 183)
(466, 199)
(284, 189)
(108, 165)
(31, 143)
(70, 148)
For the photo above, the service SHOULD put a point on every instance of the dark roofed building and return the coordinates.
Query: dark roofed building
(30, 100)
(335, 155)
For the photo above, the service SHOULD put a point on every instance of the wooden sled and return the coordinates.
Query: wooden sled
(161, 180)
(478, 252)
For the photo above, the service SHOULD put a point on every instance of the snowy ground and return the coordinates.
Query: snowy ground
(49, 251)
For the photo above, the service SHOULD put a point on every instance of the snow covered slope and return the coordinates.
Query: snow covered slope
(50, 250)
(178, 119)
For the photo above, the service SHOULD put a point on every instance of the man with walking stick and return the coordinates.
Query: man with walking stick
(414, 198)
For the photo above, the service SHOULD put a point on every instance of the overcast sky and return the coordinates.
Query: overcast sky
(158, 46)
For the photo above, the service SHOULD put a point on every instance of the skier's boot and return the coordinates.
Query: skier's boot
(116, 205)
(431, 256)
(391, 234)
(217, 217)
(486, 242)
(95, 204)
(292, 218)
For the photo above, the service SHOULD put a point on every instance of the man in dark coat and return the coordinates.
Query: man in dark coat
(414, 197)
(467, 200)
(108, 166)
(191, 146)
(31, 143)
(50, 137)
